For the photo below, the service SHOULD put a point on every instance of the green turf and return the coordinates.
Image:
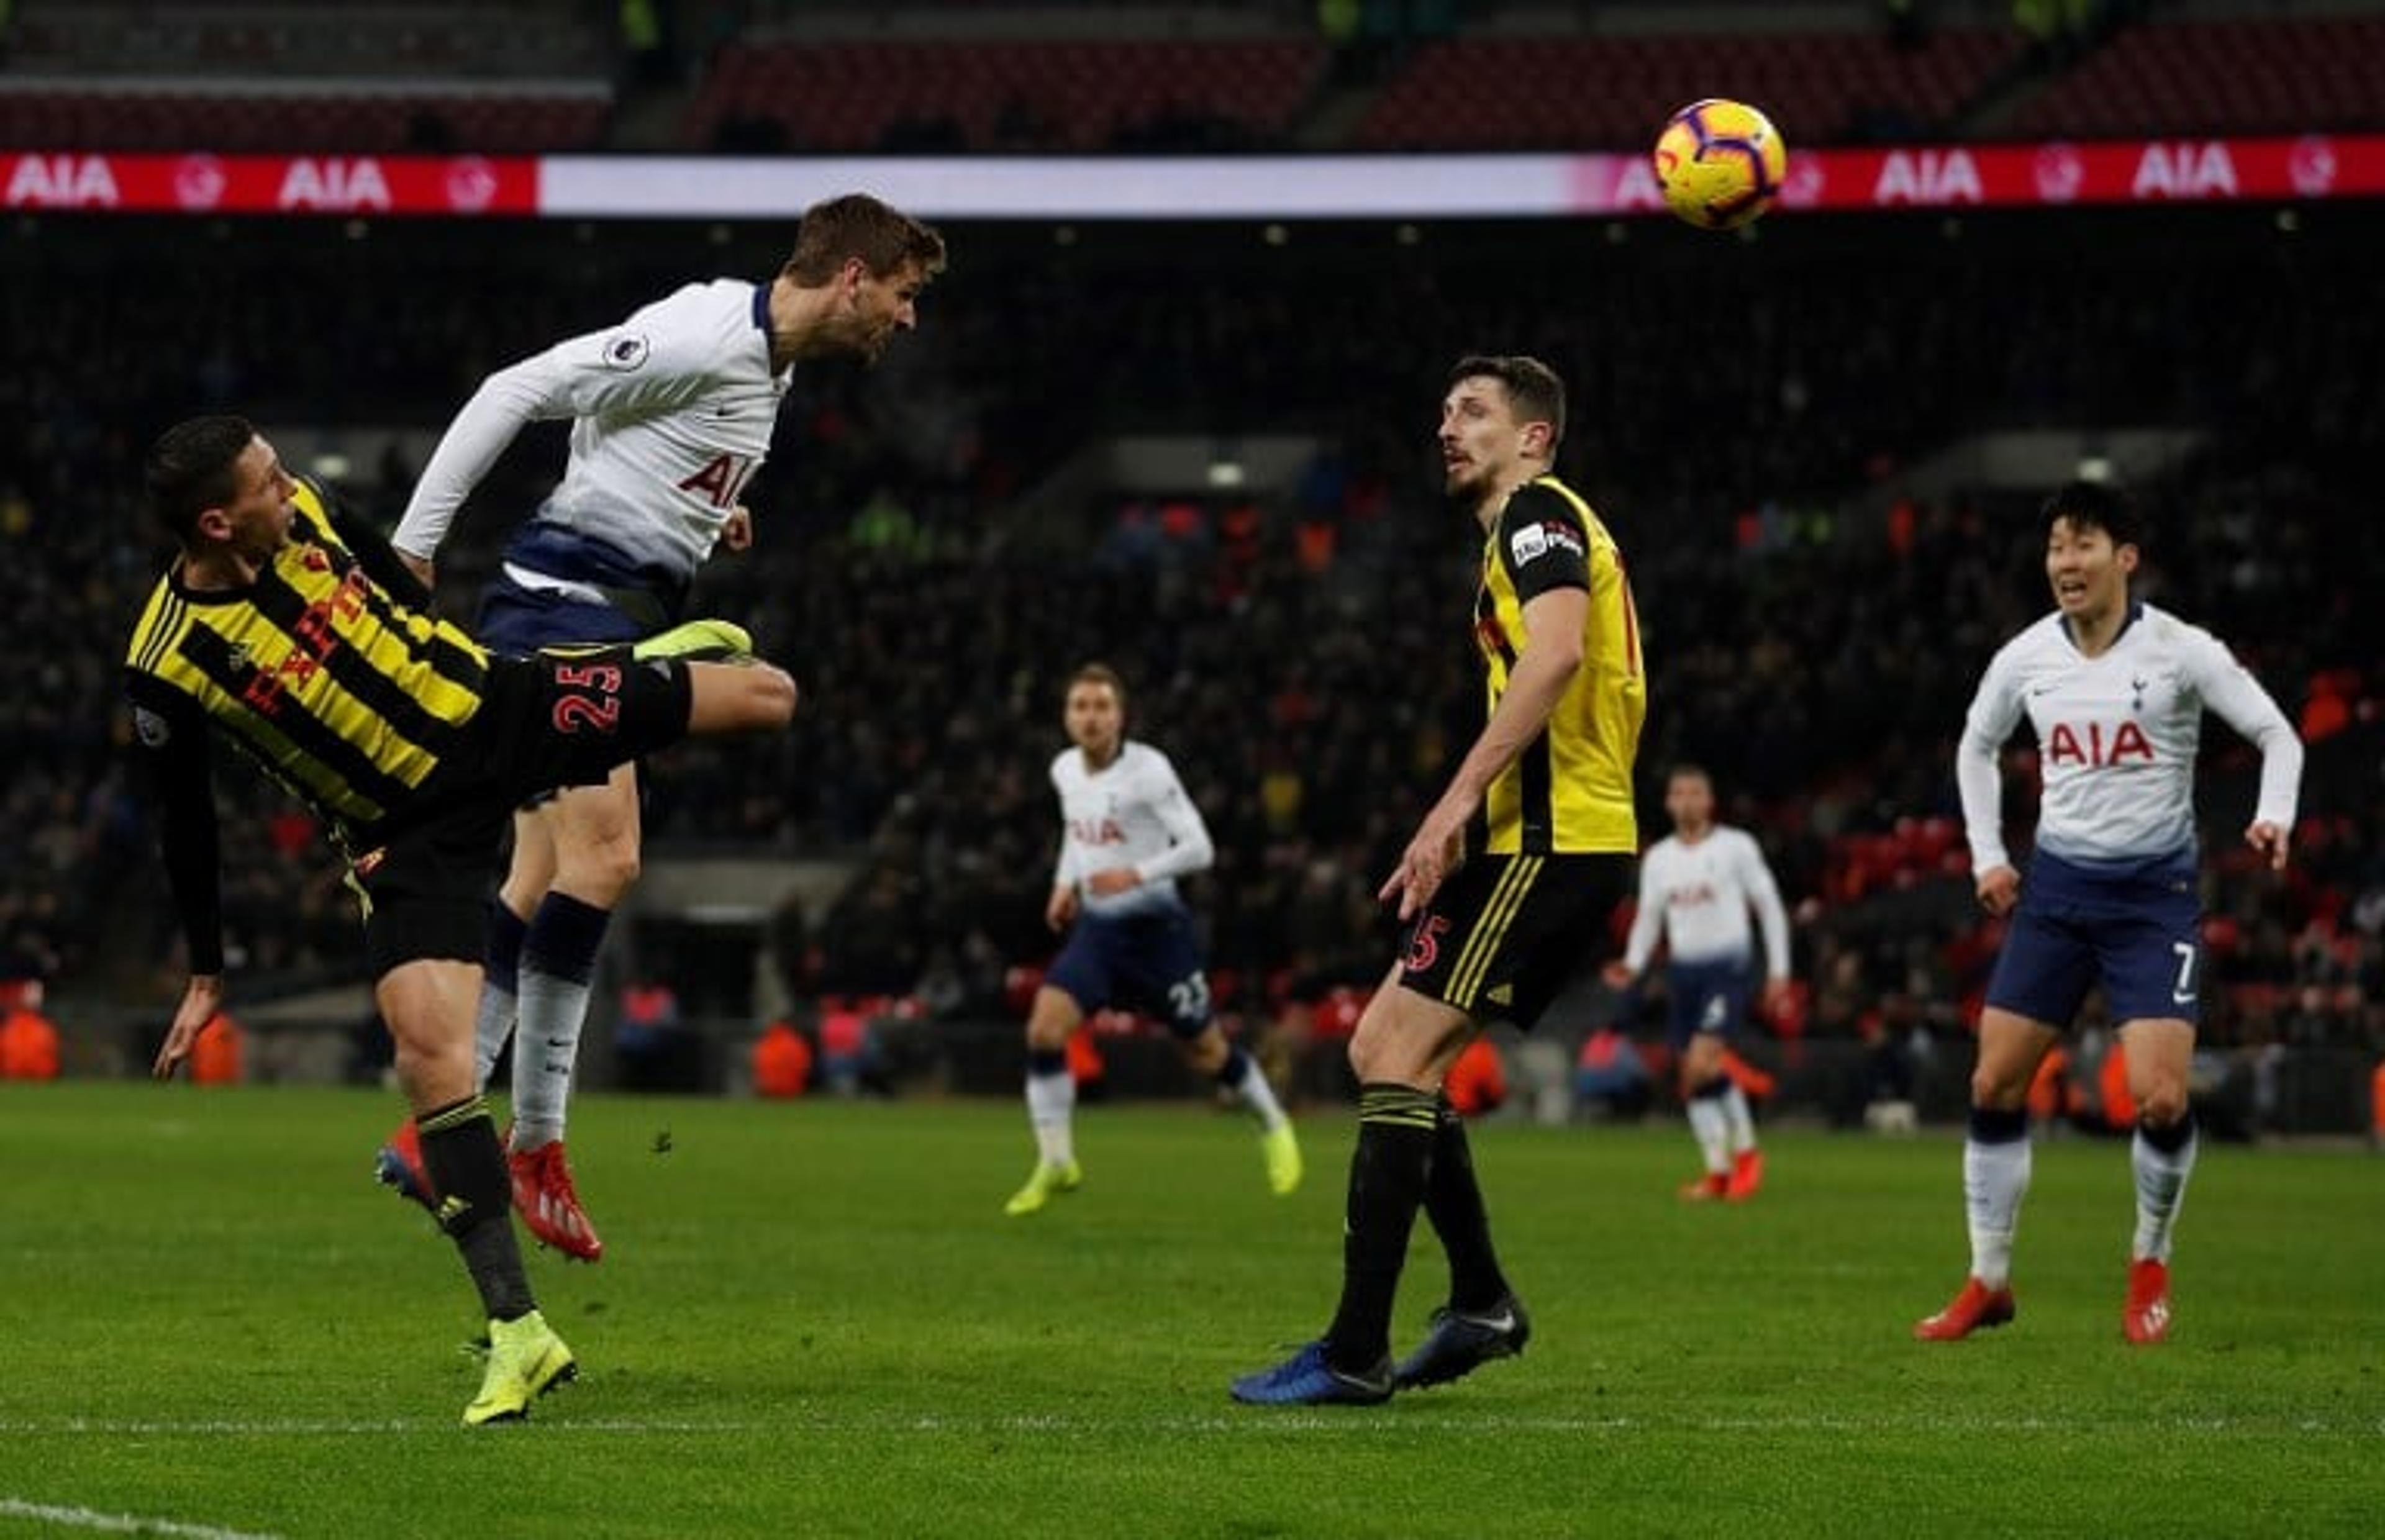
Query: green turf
(814, 1320)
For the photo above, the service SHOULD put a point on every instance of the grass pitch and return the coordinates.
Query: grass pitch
(813, 1320)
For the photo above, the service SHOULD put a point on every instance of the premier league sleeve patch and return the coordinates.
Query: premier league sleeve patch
(1544, 550)
(626, 352)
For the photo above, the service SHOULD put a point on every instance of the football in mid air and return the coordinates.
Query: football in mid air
(1720, 163)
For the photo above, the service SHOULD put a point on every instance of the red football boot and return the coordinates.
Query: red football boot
(1746, 1175)
(544, 1193)
(1975, 1310)
(1711, 1187)
(2146, 1319)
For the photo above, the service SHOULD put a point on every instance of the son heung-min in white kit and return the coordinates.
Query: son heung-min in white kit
(1128, 832)
(671, 414)
(1697, 888)
(2116, 691)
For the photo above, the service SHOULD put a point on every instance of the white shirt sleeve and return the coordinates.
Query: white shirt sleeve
(630, 370)
(1647, 922)
(1190, 850)
(1764, 894)
(1978, 770)
(1064, 870)
(2232, 693)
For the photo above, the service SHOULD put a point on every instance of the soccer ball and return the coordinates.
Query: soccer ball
(1719, 163)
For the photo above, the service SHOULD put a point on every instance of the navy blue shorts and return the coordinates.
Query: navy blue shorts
(1707, 997)
(518, 621)
(641, 598)
(2135, 928)
(1149, 962)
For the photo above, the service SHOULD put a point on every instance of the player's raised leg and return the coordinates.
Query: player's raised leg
(1995, 1172)
(2161, 1156)
(1051, 1102)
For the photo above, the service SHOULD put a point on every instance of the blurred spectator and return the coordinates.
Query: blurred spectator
(782, 1062)
(1611, 1080)
(29, 1040)
(652, 1042)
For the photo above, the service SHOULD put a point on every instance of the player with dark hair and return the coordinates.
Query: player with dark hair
(672, 413)
(293, 632)
(2116, 691)
(1128, 831)
(1505, 889)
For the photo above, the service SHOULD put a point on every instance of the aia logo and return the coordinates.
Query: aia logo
(1691, 895)
(2092, 747)
(721, 480)
(1096, 831)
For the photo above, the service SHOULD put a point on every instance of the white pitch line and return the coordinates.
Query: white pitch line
(119, 1523)
(1322, 1421)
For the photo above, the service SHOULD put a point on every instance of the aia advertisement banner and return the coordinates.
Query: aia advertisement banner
(201, 183)
(1947, 176)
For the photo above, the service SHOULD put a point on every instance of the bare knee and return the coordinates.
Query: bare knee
(2001, 1092)
(600, 870)
(1055, 1016)
(730, 698)
(2162, 1105)
(774, 696)
(1206, 1052)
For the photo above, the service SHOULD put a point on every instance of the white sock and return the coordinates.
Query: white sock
(2161, 1189)
(1251, 1084)
(558, 962)
(545, 1048)
(1712, 1127)
(1741, 1121)
(490, 1027)
(1995, 1178)
(1051, 1103)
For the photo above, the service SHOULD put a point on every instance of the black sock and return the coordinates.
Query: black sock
(2170, 1138)
(1388, 1175)
(467, 1169)
(1452, 1200)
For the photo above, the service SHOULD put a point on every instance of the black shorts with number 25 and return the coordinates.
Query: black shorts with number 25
(545, 721)
(1506, 933)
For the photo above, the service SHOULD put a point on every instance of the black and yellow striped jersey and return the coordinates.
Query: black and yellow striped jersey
(347, 695)
(1570, 791)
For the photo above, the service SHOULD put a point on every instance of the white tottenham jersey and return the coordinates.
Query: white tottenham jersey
(2116, 738)
(672, 415)
(1699, 896)
(1134, 812)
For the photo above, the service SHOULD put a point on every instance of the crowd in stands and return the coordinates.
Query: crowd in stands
(738, 77)
(1741, 415)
